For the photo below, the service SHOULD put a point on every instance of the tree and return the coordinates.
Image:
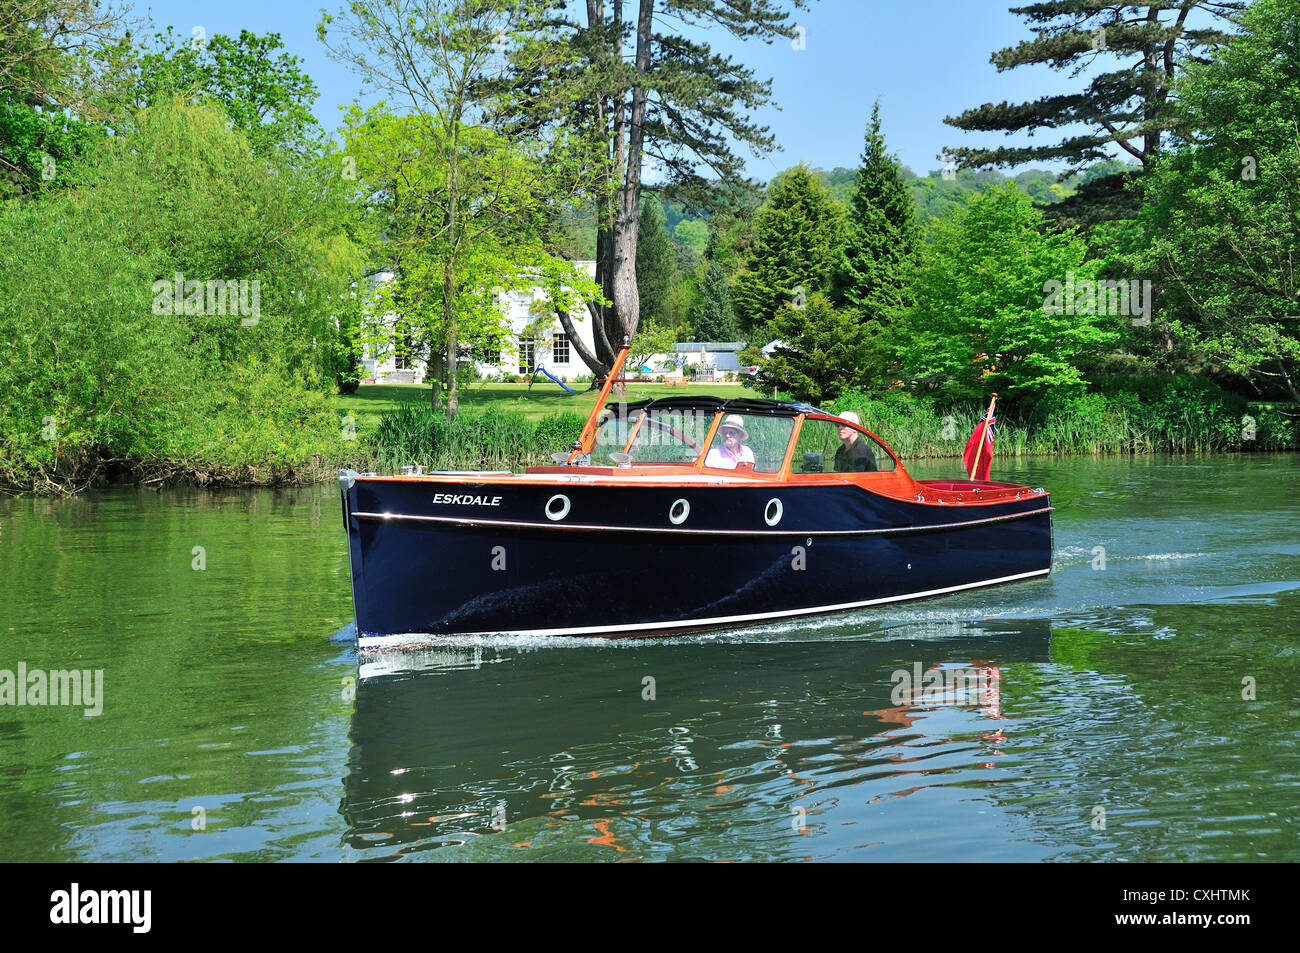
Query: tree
(690, 238)
(797, 242)
(712, 318)
(1220, 228)
(439, 56)
(986, 317)
(880, 236)
(160, 346)
(655, 260)
(651, 341)
(264, 91)
(823, 352)
(49, 50)
(732, 209)
(630, 91)
(1126, 107)
(49, 105)
(403, 176)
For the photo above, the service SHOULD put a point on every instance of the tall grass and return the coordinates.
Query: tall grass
(1180, 419)
(487, 440)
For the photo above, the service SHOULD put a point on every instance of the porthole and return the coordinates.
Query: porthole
(773, 512)
(557, 507)
(678, 512)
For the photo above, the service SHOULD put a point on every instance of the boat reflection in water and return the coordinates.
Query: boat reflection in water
(702, 748)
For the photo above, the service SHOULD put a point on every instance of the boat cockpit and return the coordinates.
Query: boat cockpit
(745, 436)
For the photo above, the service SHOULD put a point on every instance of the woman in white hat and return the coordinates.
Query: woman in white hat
(732, 449)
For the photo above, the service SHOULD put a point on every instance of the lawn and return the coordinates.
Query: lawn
(372, 401)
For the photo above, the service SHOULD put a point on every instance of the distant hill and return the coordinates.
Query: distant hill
(935, 195)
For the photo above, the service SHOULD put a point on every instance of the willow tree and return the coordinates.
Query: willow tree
(633, 80)
(1125, 106)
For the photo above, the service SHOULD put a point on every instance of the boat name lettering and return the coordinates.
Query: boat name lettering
(466, 500)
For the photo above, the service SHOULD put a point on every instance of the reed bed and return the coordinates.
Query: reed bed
(914, 427)
(485, 440)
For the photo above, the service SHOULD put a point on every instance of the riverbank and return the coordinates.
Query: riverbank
(509, 426)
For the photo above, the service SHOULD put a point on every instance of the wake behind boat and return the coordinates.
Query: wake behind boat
(710, 513)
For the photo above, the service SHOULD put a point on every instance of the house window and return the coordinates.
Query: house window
(527, 362)
(560, 349)
(488, 354)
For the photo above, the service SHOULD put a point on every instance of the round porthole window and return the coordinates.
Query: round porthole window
(773, 512)
(678, 512)
(557, 507)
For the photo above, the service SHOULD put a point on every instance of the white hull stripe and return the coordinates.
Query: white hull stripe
(374, 641)
(682, 531)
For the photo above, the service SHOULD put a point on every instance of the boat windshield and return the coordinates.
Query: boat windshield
(822, 449)
(752, 439)
(656, 436)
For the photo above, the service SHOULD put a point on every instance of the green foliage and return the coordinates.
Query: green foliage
(880, 238)
(39, 149)
(655, 260)
(1220, 227)
(690, 238)
(824, 352)
(1169, 415)
(105, 375)
(264, 91)
(712, 318)
(982, 321)
(798, 234)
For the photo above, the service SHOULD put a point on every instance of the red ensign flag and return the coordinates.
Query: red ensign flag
(972, 447)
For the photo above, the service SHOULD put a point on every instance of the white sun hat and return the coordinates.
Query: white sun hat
(735, 422)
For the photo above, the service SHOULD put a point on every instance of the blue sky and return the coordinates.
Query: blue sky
(924, 59)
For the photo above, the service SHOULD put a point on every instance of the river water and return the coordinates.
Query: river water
(1141, 703)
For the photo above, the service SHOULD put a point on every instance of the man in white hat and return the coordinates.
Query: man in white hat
(731, 450)
(854, 456)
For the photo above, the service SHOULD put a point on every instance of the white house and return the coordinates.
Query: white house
(709, 359)
(532, 338)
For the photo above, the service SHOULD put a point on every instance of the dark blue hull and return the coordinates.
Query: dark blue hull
(469, 558)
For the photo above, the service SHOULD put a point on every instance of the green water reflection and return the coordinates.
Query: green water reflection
(1141, 711)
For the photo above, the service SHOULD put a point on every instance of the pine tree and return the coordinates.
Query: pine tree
(880, 237)
(637, 80)
(655, 260)
(713, 318)
(797, 241)
(1127, 106)
(824, 352)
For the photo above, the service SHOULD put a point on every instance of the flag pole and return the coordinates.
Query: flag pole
(980, 447)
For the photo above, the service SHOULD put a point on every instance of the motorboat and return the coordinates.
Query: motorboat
(674, 515)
